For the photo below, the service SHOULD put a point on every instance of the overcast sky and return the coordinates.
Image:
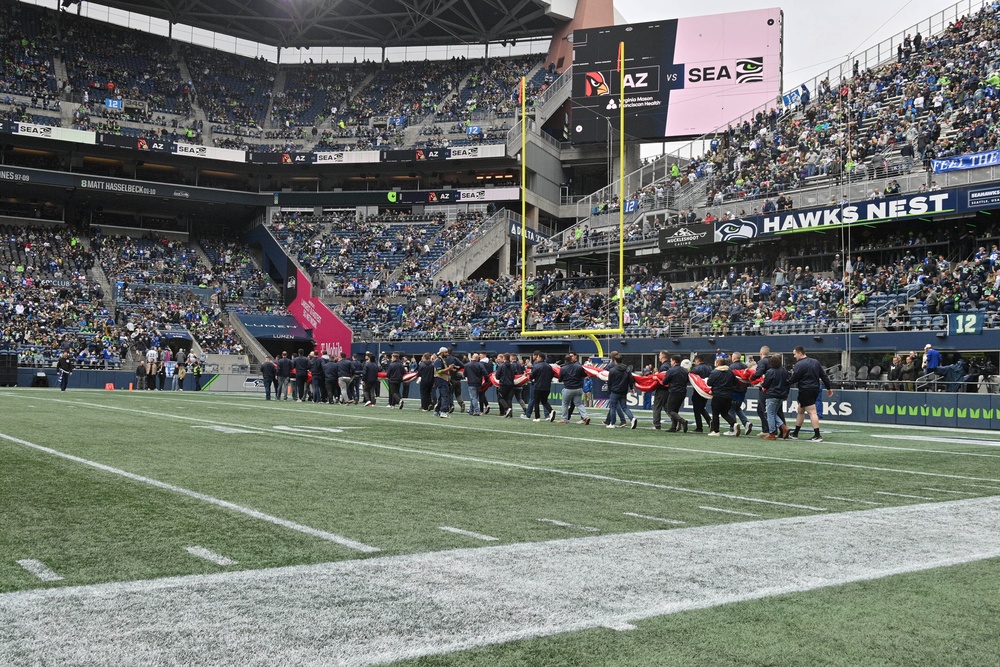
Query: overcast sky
(818, 34)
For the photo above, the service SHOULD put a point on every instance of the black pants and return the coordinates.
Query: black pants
(426, 392)
(660, 399)
(332, 389)
(504, 395)
(542, 399)
(370, 392)
(394, 393)
(674, 403)
(699, 402)
(721, 405)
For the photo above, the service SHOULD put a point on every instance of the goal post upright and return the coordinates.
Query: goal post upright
(620, 289)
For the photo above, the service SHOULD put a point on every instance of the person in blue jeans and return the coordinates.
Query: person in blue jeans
(620, 383)
(775, 389)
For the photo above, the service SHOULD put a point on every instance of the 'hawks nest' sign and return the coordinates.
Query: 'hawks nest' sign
(881, 210)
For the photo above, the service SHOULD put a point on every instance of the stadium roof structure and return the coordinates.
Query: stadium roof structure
(357, 23)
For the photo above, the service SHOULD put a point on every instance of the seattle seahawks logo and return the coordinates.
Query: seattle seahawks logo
(736, 230)
(750, 70)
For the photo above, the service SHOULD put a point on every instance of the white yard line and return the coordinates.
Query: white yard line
(459, 457)
(981, 442)
(42, 571)
(957, 493)
(911, 449)
(724, 511)
(563, 524)
(902, 495)
(348, 413)
(469, 533)
(655, 518)
(202, 552)
(435, 603)
(620, 626)
(852, 500)
(982, 486)
(284, 523)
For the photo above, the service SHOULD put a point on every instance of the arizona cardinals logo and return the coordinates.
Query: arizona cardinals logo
(596, 84)
(737, 230)
(420, 155)
(750, 70)
(142, 145)
(286, 158)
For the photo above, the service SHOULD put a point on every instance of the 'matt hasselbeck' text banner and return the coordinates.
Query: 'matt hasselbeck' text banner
(869, 212)
(960, 162)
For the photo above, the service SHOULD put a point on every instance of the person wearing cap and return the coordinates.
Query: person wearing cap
(442, 384)
(932, 359)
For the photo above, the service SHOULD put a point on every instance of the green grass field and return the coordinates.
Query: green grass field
(105, 487)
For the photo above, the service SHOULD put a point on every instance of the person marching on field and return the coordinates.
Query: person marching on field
(369, 375)
(762, 366)
(284, 373)
(775, 388)
(442, 384)
(196, 369)
(425, 378)
(662, 390)
(541, 380)
(808, 374)
(676, 381)
(474, 374)
(269, 372)
(723, 383)
(330, 378)
(740, 395)
(394, 376)
(573, 376)
(505, 389)
(65, 368)
(456, 380)
(698, 401)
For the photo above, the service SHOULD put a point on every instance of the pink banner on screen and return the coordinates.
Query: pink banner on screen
(732, 65)
(328, 330)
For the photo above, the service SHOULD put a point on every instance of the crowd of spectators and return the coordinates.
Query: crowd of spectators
(48, 300)
(26, 50)
(230, 88)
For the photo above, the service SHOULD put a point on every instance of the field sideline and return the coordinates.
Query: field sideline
(157, 528)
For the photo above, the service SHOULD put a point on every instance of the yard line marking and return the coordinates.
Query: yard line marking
(982, 442)
(719, 509)
(760, 457)
(957, 493)
(902, 495)
(911, 449)
(654, 518)
(469, 533)
(852, 500)
(39, 569)
(563, 524)
(314, 532)
(620, 626)
(202, 552)
(983, 486)
(474, 459)
(628, 578)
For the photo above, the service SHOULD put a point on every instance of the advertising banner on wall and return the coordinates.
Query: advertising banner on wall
(328, 330)
(683, 77)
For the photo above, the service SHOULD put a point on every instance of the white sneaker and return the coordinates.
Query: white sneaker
(536, 420)
(729, 432)
(368, 404)
(552, 416)
(400, 405)
(525, 417)
(714, 433)
(635, 422)
(610, 426)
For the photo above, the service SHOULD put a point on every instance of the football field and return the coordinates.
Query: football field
(148, 528)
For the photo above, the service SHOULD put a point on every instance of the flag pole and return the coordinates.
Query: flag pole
(621, 188)
(524, 207)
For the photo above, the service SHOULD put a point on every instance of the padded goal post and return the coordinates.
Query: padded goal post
(589, 333)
